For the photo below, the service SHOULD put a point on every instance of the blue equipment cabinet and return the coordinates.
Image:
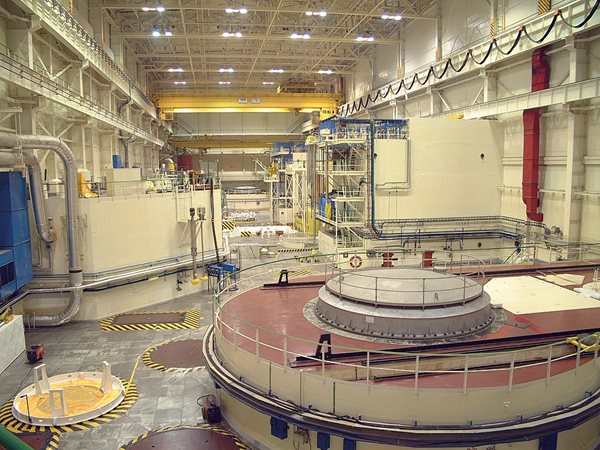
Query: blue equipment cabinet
(15, 260)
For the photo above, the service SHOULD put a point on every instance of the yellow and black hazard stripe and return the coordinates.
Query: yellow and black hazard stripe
(295, 273)
(228, 224)
(148, 361)
(54, 441)
(191, 321)
(214, 428)
(544, 6)
(294, 250)
(16, 426)
(246, 233)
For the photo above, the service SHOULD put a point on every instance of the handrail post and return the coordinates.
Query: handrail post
(323, 361)
(368, 369)
(235, 330)
(423, 294)
(511, 373)
(257, 344)
(465, 379)
(285, 352)
(417, 375)
(549, 365)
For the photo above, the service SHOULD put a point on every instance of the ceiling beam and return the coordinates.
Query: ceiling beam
(255, 37)
(174, 6)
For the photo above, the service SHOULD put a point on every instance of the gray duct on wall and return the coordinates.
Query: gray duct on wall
(30, 142)
(37, 191)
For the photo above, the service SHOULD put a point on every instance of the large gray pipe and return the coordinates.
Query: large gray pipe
(37, 191)
(30, 142)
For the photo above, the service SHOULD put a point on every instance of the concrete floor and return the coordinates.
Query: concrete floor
(164, 398)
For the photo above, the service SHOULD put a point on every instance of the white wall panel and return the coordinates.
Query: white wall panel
(123, 231)
(463, 22)
(420, 44)
(386, 64)
(448, 176)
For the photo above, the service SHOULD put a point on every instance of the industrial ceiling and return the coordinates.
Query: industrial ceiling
(232, 46)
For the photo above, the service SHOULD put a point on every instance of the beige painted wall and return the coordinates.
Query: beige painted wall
(117, 232)
(448, 176)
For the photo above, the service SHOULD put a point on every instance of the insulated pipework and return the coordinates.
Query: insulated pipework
(193, 239)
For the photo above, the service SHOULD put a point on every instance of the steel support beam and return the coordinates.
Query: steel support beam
(559, 95)
(574, 12)
(56, 19)
(20, 75)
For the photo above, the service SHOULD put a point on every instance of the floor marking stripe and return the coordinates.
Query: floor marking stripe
(216, 429)
(18, 427)
(191, 320)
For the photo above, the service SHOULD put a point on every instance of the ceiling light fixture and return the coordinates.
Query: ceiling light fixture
(232, 34)
(391, 17)
(367, 38)
(179, 82)
(300, 35)
(168, 32)
(175, 69)
(158, 8)
(155, 31)
(226, 69)
(316, 13)
(276, 71)
(224, 82)
(326, 71)
(241, 10)
(268, 82)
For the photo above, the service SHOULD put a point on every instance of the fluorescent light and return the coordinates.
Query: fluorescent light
(268, 82)
(316, 13)
(276, 71)
(160, 8)
(224, 82)
(168, 32)
(145, 8)
(232, 34)
(300, 36)
(155, 31)
(391, 17)
(241, 10)
(179, 82)
(365, 38)
(175, 69)
(226, 69)
(326, 71)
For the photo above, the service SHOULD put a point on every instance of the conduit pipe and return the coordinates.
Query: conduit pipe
(30, 142)
(37, 191)
(540, 80)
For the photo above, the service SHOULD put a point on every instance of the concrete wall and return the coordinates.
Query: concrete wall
(448, 175)
(117, 232)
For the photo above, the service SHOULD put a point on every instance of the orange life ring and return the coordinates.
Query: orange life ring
(355, 262)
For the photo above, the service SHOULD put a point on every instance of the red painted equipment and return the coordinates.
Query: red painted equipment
(35, 353)
(428, 258)
(185, 162)
(388, 259)
(540, 77)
